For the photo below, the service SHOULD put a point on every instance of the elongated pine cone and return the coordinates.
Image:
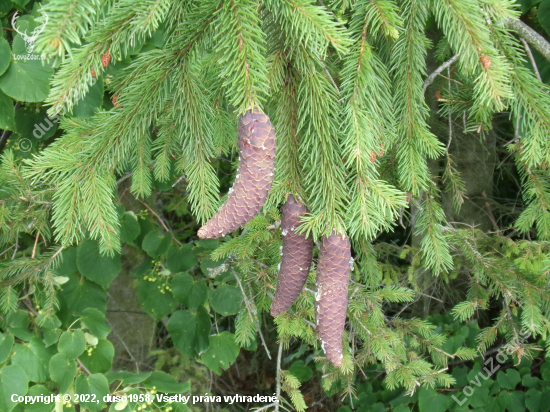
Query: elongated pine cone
(257, 145)
(331, 297)
(296, 258)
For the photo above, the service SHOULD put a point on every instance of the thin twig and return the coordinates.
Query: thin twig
(429, 80)
(450, 114)
(532, 59)
(123, 344)
(270, 405)
(29, 307)
(5, 251)
(16, 246)
(83, 367)
(278, 390)
(35, 243)
(123, 178)
(179, 179)
(247, 304)
(160, 220)
(490, 213)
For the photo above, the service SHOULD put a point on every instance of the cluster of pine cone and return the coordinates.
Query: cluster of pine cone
(257, 145)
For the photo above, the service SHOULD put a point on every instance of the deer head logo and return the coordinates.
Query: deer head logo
(29, 39)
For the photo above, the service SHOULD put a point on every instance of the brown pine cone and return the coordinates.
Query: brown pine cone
(331, 297)
(114, 100)
(105, 59)
(93, 72)
(296, 258)
(257, 146)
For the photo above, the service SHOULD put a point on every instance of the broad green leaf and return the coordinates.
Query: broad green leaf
(221, 353)
(207, 263)
(155, 297)
(545, 406)
(480, 397)
(92, 101)
(72, 343)
(526, 5)
(33, 123)
(96, 267)
(208, 243)
(37, 390)
(162, 382)
(62, 371)
(530, 381)
(95, 385)
(6, 343)
(156, 244)
(48, 321)
(18, 324)
(301, 371)
(145, 227)
(545, 371)
(190, 330)
(67, 265)
(51, 336)
(431, 401)
(181, 259)
(7, 110)
(508, 379)
(460, 375)
(13, 380)
(129, 227)
(5, 7)
(100, 358)
(5, 55)
(34, 359)
(26, 80)
(78, 294)
(96, 323)
(543, 15)
(533, 398)
(189, 291)
(512, 401)
(226, 299)
(127, 378)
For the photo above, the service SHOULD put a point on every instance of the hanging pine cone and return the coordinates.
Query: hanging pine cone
(331, 297)
(114, 100)
(257, 146)
(105, 59)
(296, 257)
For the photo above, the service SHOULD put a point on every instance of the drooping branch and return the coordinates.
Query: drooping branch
(531, 36)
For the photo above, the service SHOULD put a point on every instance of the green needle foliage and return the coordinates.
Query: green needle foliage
(367, 124)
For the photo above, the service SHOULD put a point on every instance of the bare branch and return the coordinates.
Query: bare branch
(532, 37)
(429, 80)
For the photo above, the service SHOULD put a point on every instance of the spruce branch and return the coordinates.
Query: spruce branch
(250, 312)
(531, 36)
